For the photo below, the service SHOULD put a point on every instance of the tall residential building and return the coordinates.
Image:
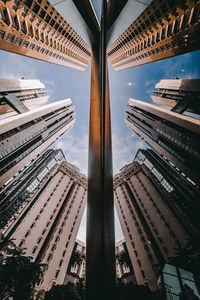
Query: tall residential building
(181, 94)
(163, 29)
(184, 198)
(47, 225)
(18, 94)
(174, 136)
(15, 196)
(25, 136)
(151, 229)
(76, 269)
(124, 269)
(38, 30)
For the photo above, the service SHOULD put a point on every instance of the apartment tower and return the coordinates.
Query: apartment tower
(37, 30)
(14, 196)
(174, 136)
(180, 94)
(25, 136)
(20, 94)
(47, 224)
(151, 229)
(163, 29)
(183, 196)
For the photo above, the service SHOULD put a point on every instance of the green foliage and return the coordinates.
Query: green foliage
(123, 259)
(18, 275)
(63, 292)
(76, 259)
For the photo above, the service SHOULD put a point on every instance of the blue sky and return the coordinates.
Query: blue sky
(62, 83)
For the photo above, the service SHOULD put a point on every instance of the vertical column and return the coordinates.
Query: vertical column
(100, 244)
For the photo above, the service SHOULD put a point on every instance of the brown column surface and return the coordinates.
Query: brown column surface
(100, 244)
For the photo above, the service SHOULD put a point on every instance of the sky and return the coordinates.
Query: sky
(62, 83)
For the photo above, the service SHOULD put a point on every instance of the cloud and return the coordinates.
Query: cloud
(130, 83)
(14, 66)
(75, 148)
(124, 149)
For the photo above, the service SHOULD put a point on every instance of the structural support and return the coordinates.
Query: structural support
(100, 245)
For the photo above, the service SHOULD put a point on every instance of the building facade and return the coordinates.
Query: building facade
(164, 29)
(151, 229)
(124, 269)
(47, 226)
(25, 136)
(37, 30)
(76, 269)
(15, 93)
(14, 197)
(174, 136)
(181, 94)
(183, 196)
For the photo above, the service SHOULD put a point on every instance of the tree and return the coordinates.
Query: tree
(123, 259)
(63, 292)
(18, 275)
(76, 259)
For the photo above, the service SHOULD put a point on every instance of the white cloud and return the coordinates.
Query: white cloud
(75, 148)
(15, 66)
(131, 83)
(124, 149)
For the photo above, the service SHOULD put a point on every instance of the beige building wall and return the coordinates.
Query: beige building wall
(49, 230)
(150, 229)
(30, 91)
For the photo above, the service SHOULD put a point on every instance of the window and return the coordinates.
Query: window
(34, 250)
(60, 264)
(21, 243)
(57, 273)
(142, 272)
(10, 38)
(37, 48)
(18, 41)
(27, 234)
(32, 46)
(2, 33)
(25, 44)
(53, 248)
(49, 257)
(139, 263)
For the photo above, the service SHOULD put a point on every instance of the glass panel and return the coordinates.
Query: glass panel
(172, 283)
(170, 269)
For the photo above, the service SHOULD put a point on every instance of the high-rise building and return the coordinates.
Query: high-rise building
(47, 226)
(124, 269)
(151, 230)
(38, 30)
(181, 94)
(25, 136)
(184, 198)
(174, 136)
(18, 94)
(15, 196)
(163, 29)
(76, 269)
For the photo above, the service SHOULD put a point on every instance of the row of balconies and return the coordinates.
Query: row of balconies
(141, 42)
